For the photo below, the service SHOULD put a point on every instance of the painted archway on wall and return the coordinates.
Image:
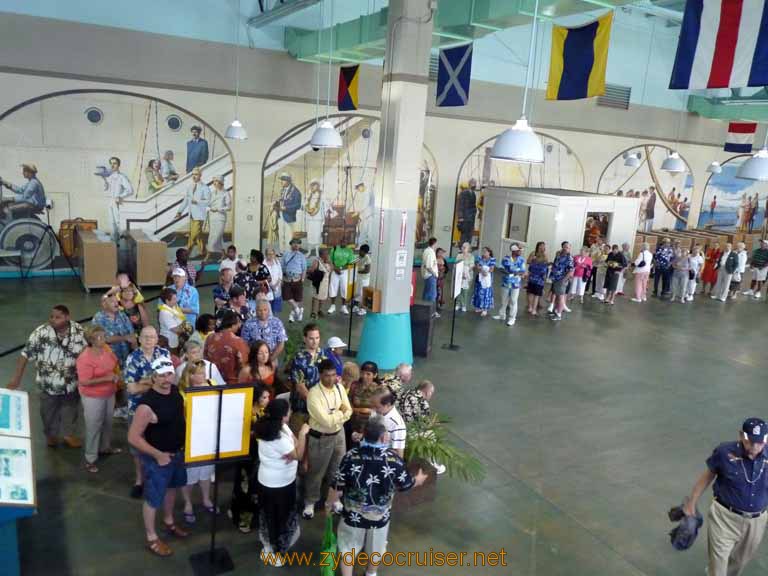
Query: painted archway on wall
(561, 168)
(665, 198)
(732, 203)
(70, 137)
(327, 197)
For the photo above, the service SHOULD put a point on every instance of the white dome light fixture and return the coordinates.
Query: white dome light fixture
(520, 143)
(632, 160)
(756, 168)
(714, 168)
(235, 130)
(674, 164)
(325, 136)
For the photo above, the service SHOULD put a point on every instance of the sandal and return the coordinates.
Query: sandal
(190, 518)
(111, 452)
(175, 530)
(91, 467)
(209, 509)
(159, 548)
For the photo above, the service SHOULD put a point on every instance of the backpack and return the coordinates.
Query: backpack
(731, 263)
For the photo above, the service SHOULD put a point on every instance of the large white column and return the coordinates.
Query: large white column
(386, 336)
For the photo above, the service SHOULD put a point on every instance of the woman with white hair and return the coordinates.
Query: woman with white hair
(218, 206)
(467, 274)
(741, 268)
(642, 269)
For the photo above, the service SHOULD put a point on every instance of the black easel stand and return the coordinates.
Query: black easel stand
(452, 346)
(214, 560)
(349, 352)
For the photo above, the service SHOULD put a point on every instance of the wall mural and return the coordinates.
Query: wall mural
(731, 203)
(561, 169)
(327, 197)
(665, 198)
(117, 160)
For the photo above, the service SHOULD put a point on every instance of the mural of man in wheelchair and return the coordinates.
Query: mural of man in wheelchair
(21, 228)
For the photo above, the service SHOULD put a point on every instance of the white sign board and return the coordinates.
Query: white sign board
(14, 412)
(458, 275)
(401, 258)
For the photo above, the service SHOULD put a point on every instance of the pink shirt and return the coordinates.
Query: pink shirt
(581, 264)
(91, 365)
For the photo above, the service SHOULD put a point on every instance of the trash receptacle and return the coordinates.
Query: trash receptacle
(422, 326)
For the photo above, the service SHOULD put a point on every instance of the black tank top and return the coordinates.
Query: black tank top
(168, 434)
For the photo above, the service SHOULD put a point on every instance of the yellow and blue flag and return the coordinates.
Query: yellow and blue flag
(579, 59)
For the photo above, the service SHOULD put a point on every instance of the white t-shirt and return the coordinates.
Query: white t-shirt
(696, 263)
(211, 373)
(168, 321)
(396, 428)
(229, 263)
(648, 257)
(274, 471)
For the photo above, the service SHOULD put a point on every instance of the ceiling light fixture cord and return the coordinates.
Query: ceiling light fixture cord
(317, 66)
(237, 61)
(330, 59)
(530, 56)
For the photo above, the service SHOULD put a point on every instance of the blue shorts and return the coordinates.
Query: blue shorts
(158, 479)
(430, 289)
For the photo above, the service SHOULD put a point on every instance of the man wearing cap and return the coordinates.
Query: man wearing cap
(118, 188)
(197, 199)
(334, 349)
(197, 150)
(737, 516)
(267, 328)
(158, 432)
(29, 198)
(514, 268)
(759, 265)
(287, 206)
(187, 296)
(294, 272)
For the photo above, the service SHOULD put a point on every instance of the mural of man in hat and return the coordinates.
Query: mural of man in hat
(287, 206)
(29, 198)
(197, 149)
(197, 199)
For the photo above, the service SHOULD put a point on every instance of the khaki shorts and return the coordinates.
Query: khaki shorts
(368, 540)
(760, 274)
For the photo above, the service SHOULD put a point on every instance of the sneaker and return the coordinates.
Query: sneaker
(439, 468)
(344, 309)
(510, 322)
(689, 299)
(309, 512)
(635, 300)
(292, 316)
(332, 309)
(436, 315)
(463, 308)
(723, 299)
(361, 312)
(555, 317)
(551, 308)
(300, 316)
(757, 295)
(567, 309)
(338, 507)
(748, 292)
(500, 317)
(355, 309)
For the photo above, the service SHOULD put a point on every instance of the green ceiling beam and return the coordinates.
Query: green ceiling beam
(754, 108)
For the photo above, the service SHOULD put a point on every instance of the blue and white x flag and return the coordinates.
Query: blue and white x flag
(453, 76)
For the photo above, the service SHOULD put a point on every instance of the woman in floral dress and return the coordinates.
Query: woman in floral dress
(482, 297)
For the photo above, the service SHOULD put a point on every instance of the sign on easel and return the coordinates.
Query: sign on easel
(458, 277)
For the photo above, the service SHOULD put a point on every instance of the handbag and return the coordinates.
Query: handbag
(691, 275)
(642, 264)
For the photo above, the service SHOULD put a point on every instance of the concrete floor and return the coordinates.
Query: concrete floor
(591, 429)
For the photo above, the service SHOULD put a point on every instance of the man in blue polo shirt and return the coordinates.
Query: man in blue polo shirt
(737, 516)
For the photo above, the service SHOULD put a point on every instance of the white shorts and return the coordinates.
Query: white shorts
(760, 274)
(338, 285)
(197, 473)
(370, 540)
(360, 283)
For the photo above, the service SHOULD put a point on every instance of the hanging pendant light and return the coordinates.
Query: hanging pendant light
(632, 160)
(325, 134)
(235, 130)
(674, 164)
(520, 143)
(714, 168)
(756, 168)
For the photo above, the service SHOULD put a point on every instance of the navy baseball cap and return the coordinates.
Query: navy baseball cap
(756, 430)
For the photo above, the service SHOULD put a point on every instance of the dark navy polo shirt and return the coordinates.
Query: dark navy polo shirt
(741, 483)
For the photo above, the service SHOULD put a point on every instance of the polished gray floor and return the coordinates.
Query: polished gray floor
(591, 429)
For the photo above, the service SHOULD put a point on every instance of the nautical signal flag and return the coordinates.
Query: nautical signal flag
(453, 76)
(741, 135)
(723, 44)
(579, 59)
(347, 99)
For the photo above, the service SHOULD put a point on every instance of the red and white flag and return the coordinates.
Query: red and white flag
(741, 135)
(723, 44)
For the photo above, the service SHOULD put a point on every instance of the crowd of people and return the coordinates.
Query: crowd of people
(601, 268)
(321, 425)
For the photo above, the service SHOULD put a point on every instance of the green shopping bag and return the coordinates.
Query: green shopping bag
(329, 548)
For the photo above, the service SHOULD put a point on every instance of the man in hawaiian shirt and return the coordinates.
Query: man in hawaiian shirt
(399, 381)
(514, 268)
(305, 374)
(265, 327)
(367, 480)
(662, 264)
(414, 404)
(188, 297)
(120, 333)
(54, 347)
(138, 380)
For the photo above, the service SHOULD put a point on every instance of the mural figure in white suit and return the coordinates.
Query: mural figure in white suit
(118, 187)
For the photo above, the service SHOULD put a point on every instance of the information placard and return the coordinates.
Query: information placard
(14, 413)
(17, 481)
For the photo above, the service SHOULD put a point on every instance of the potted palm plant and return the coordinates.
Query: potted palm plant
(427, 444)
